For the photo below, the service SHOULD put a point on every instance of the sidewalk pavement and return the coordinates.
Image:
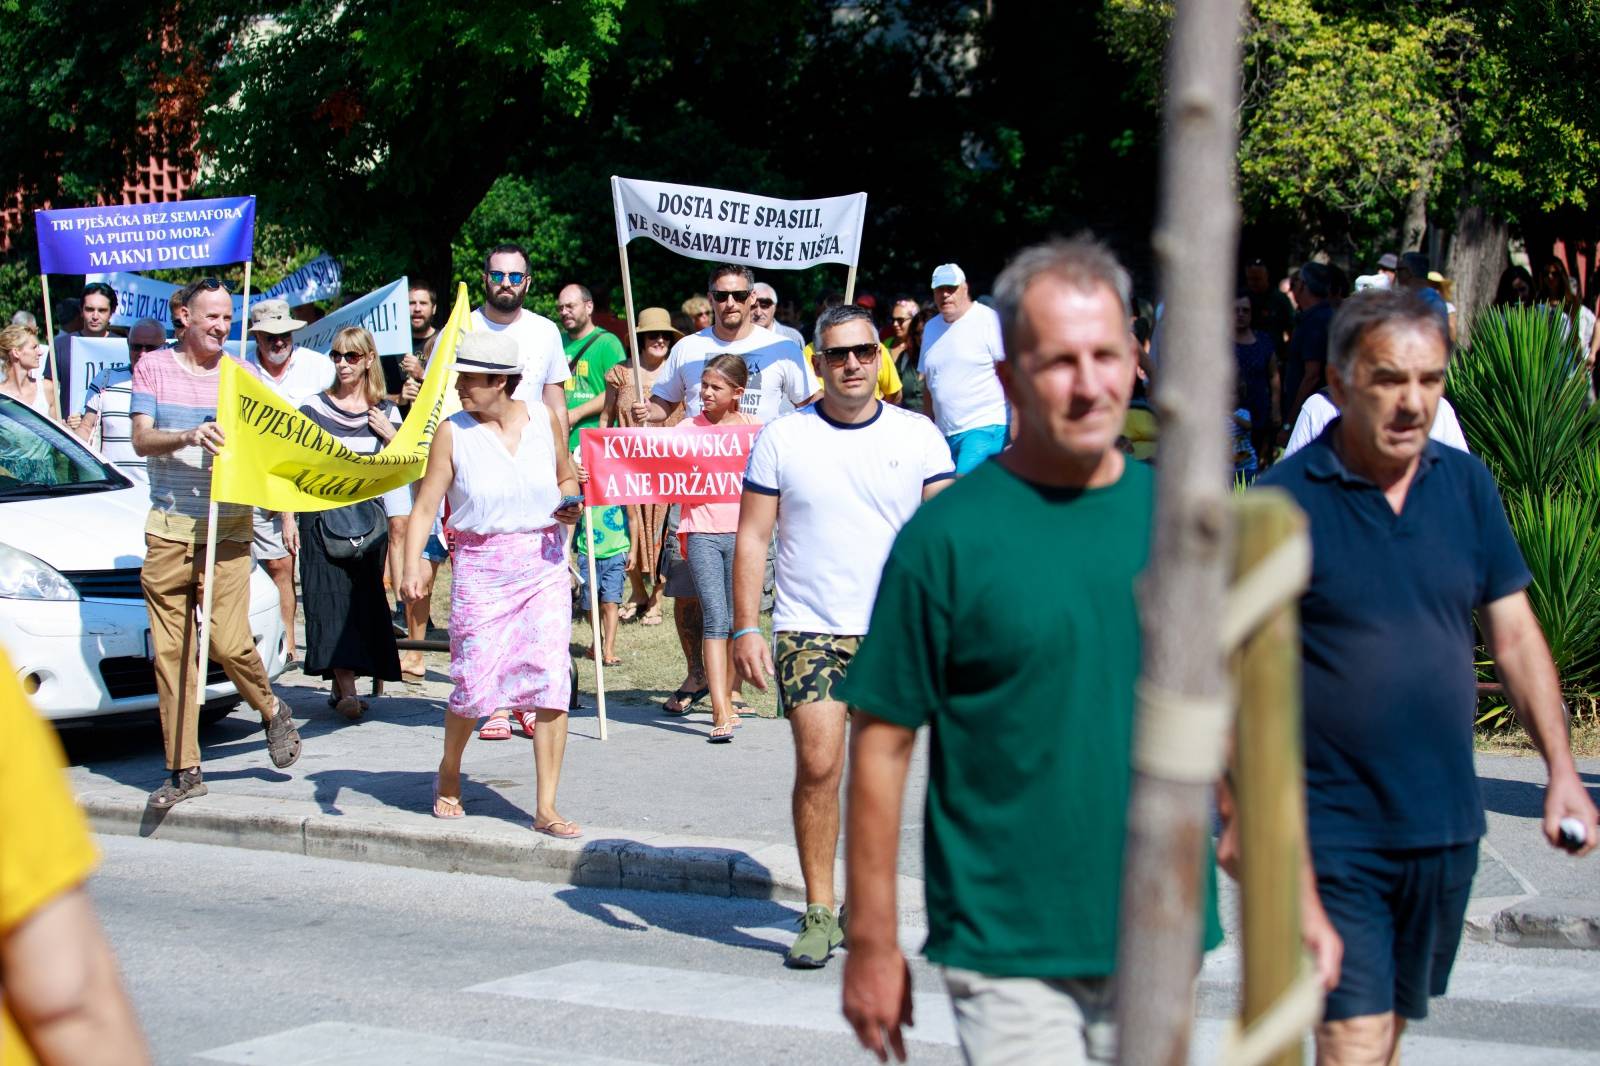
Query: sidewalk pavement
(661, 809)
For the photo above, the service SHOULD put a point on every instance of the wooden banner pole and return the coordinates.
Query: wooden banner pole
(850, 286)
(50, 330)
(633, 324)
(594, 621)
(244, 311)
(205, 606)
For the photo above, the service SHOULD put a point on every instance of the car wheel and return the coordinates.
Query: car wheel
(212, 713)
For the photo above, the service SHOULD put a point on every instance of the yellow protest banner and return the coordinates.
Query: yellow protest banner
(278, 459)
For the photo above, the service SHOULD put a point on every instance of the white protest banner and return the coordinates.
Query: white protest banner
(382, 312)
(139, 297)
(737, 227)
(90, 355)
(320, 279)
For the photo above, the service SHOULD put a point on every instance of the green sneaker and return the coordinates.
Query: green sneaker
(819, 935)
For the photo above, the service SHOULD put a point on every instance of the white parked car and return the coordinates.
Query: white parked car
(72, 614)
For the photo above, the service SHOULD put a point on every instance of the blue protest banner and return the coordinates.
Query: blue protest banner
(82, 240)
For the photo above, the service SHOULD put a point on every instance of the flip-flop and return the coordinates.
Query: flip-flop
(609, 663)
(685, 699)
(742, 709)
(452, 805)
(495, 729)
(627, 611)
(572, 831)
(652, 617)
(725, 737)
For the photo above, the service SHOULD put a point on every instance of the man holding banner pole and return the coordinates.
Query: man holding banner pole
(197, 551)
(883, 463)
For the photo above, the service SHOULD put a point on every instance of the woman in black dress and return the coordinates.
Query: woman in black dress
(348, 630)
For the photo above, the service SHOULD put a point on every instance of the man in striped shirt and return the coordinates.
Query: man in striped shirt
(109, 397)
(174, 406)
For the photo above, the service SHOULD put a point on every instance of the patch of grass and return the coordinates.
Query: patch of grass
(1511, 739)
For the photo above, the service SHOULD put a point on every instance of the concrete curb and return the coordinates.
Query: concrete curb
(1535, 922)
(602, 858)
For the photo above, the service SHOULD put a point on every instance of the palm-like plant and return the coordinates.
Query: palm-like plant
(1559, 534)
(1523, 399)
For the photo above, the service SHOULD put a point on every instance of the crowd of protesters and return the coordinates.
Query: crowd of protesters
(890, 608)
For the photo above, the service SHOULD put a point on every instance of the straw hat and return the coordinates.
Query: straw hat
(658, 320)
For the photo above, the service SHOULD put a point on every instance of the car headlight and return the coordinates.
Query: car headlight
(24, 577)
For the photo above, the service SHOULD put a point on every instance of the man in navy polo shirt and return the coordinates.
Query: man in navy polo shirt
(1408, 540)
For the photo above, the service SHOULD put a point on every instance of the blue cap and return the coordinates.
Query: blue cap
(947, 274)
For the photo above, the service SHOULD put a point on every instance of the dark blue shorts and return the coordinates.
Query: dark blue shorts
(1400, 913)
(609, 572)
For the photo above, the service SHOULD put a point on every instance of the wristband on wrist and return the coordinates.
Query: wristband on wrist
(744, 633)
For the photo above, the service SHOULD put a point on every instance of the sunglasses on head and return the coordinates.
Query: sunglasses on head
(347, 357)
(864, 353)
(516, 277)
(738, 296)
(209, 283)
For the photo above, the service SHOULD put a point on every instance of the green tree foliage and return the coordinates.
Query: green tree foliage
(374, 127)
(1350, 107)
(90, 90)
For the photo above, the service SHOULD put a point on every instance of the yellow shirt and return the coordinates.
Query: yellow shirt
(45, 849)
(889, 381)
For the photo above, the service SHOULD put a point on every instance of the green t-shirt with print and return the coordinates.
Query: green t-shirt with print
(1025, 675)
(610, 532)
(588, 379)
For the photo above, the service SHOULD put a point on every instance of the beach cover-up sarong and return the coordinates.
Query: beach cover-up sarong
(510, 622)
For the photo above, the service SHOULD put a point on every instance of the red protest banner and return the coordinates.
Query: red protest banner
(688, 463)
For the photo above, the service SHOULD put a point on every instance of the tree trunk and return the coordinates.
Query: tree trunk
(1477, 257)
(1182, 593)
(1417, 211)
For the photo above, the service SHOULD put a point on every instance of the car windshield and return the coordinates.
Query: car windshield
(39, 457)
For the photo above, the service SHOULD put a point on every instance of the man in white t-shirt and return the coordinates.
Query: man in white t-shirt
(959, 351)
(776, 365)
(838, 478)
(539, 340)
(294, 373)
(107, 400)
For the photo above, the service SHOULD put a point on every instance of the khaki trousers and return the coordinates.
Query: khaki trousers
(172, 577)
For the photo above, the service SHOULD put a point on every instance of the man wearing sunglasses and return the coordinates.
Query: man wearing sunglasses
(777, 369)
(960, 349)
(106, 403)
(765, 313)
(836, 522)
(544, 359)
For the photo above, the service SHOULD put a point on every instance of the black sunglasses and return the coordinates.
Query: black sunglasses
(209, 283)
(762, 301)
(738, 296)
(515, 276)
(864, 353)
(348, 357)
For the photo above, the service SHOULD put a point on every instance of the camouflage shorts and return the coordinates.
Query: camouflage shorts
(810, 666)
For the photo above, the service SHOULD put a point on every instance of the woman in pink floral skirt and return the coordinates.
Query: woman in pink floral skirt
(510, 601)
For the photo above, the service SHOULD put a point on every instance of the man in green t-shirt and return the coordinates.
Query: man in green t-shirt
(591, 352)
(1025, 676)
